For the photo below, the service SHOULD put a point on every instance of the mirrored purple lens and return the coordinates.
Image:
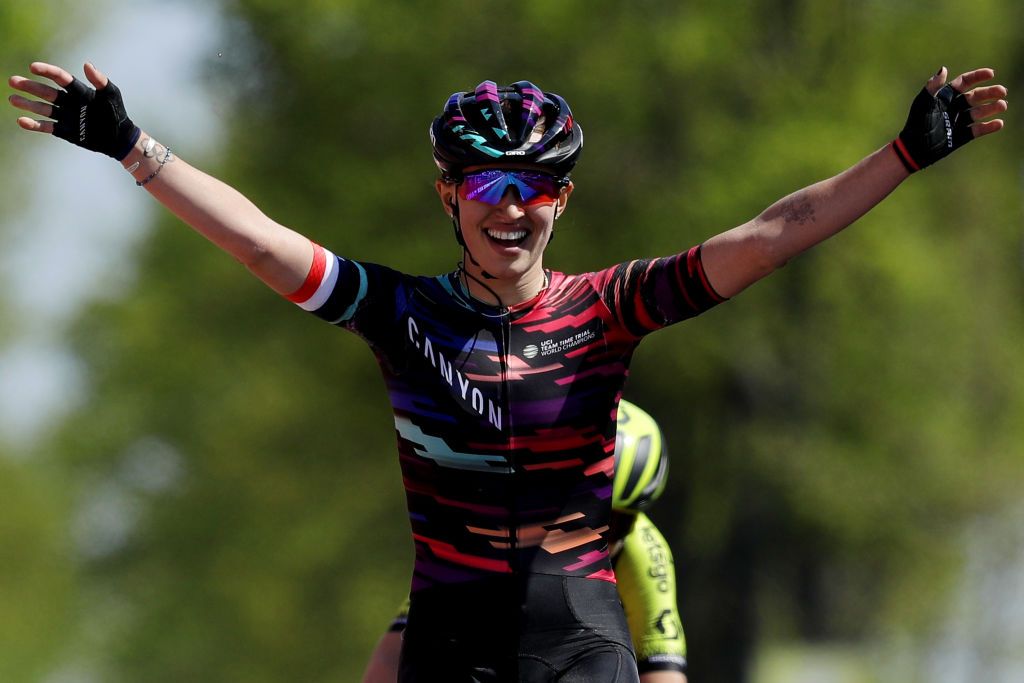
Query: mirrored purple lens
(491, 185)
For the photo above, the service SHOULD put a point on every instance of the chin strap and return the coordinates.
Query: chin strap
(466, 252)
(457, 225)
(470, 276)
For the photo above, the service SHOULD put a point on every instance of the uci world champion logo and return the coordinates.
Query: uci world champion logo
(553, 346)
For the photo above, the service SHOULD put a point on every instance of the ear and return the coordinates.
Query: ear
(446, 191)
(563, 199)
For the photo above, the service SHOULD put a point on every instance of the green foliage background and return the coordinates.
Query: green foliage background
(831, 429)
(38, 585)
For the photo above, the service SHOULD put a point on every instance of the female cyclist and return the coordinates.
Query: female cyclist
(504, 376)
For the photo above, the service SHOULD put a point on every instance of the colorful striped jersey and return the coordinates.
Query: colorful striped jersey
(505, 417)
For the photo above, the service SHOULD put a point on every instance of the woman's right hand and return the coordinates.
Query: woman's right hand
(90, 117)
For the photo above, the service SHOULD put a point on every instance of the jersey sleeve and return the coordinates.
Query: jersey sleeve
(647, 586)
(362, 297)
(647, 294)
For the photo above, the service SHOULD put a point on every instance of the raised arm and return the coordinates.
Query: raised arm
(96, 120)
(941, 120)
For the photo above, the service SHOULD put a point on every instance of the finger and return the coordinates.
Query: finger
(54, 73)
(34, 106)
(35, 126)
(985, 94)
(986, 127)
(987, 110)
(937, 81)
(969, 79)
(27, 85)
(95, 76)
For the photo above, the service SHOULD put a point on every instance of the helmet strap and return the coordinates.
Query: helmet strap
(469, 276)
(457, 225)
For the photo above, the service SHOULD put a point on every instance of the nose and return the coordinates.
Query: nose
(511, 202)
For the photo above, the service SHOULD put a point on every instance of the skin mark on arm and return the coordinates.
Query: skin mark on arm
(797, 212)
(791, 210)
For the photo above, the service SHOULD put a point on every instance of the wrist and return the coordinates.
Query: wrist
(130, 138)
(134, 158)
(146, 159)
(899, 148)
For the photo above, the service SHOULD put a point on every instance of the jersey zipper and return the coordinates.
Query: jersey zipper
(503, 361)
(515, 561)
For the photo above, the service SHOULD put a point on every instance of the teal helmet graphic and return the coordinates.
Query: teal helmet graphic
(515, 123)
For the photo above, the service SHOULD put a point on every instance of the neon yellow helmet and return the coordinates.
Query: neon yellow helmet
(641, 465)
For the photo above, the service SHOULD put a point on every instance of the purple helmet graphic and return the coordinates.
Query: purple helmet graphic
(516, 123)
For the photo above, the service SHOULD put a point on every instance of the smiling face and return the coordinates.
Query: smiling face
(505, 241)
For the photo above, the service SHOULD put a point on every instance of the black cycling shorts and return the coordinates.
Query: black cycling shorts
(544, 628)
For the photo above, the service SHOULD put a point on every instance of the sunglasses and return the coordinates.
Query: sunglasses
(490, 185)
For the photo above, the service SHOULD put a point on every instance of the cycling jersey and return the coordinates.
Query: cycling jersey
(505, 417)
(647, 586)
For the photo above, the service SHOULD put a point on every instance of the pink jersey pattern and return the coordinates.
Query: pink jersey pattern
(505, 417)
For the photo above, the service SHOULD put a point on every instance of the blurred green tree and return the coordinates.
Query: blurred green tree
(37, 584)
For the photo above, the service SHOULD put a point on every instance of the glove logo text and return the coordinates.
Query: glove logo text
(81, 124)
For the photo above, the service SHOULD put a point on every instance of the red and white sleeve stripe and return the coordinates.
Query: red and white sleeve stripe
(320, 281)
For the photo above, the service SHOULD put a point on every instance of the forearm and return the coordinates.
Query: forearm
(277, 255)
(736, 259)
(809, 216)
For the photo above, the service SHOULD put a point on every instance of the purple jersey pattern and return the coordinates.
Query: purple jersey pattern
(505, 418)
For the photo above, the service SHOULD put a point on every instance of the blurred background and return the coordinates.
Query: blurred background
(198, 481)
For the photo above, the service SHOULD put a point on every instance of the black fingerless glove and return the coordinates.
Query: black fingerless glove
(94, 119)
(936, 126)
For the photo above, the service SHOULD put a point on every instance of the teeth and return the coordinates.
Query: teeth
(498, 235)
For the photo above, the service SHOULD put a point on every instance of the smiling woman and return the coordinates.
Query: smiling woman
(506, 153)
(504, 219)
(508, 465)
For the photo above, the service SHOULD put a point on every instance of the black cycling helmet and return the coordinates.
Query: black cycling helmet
(641, 465)
(519, 122)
